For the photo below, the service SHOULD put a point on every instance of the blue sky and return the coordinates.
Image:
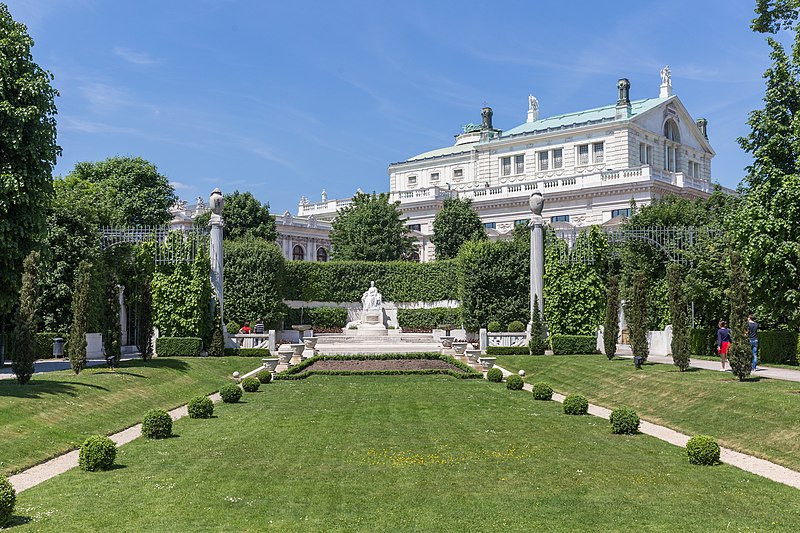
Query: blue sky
(288, 98)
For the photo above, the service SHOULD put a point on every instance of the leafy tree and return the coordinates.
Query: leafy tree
(456, 223)
(637, 312)
(26, 321)
(28, 152)
(81, 309)
(611, 325)
(740, 355)
(677, 312)
(136, 194)
(245, 217)
(773, 15)
(370, 229)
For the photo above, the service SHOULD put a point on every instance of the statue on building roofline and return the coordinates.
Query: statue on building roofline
(533, 103)
(666, 76)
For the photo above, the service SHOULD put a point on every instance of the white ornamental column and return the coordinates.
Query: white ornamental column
(537, 252)
(215, 249)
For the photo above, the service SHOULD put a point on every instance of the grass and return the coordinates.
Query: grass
(56, 411)
(410, 453)
(760, 416)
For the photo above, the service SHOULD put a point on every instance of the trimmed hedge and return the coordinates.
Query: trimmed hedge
(573, 344)
(201, 407)
(300, 372)
(98, 452)
(779, 347)
(250, 384)
(542, 391)
(514, 382)
(624, 421)
(246, 352)
(264, 376)
(495, 375)
(8, 499)
(702, 450)
(178, 346)
(576, 404)
(703, 341)
(428, 319)
(507, 350)
(230, 393)
(494, 326)
(157, 424)
(317, 317)
(515, 327)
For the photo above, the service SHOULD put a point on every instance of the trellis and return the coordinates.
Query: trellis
(170, 245)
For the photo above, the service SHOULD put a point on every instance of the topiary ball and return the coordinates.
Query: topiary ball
(576, 404)
(97, 453)
(624, 421)
(201, 407)
(494, 325)
(514, 382)
(264, 376)
(250, 384)
(230, 393)
(702, 450)
(8, 498)
(542, 391)
(516, 326)
(495, 375)
(157, 424)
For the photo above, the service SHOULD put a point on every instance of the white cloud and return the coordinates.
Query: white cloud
(178, 185)
(137, 58)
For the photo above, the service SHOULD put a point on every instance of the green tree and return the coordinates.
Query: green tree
(245, 217)
(81, 310)
(740, 355)
(611, 324)
(28, 152)
(26, 321)
(370, 229)
(456, 223)
(677, 312)
(135, 193)
(637, 313)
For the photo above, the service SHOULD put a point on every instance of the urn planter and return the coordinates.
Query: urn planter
(472, 356)
(285, 353)
(310, 342)
(297, 348)
(447, 341)
(459, 347)
(487, 362)
(270, 363)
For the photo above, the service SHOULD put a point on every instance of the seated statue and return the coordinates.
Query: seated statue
(372, 299)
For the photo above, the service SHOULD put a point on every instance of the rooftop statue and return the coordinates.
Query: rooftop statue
(533, 103)
(666, 76)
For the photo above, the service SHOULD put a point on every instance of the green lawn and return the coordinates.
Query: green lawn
(56, 411)
(404, 453)
(760, 417)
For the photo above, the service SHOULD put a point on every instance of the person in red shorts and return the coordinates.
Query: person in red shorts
(723, 341)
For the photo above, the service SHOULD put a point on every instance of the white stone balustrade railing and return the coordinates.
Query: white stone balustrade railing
(497, 338)
(251, 340)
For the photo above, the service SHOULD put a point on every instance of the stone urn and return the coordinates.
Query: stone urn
(271, 363)
(285, 353)
(472, 356)
(297, 349)
(487, 362)
(302, 328)
(447, 341)
(459, 347)
(310, 342)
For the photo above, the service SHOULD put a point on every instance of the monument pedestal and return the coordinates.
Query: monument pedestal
(372, 323)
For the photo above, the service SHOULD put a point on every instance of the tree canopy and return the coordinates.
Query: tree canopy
(28, 152)
(245, 217)
(456, 223)
(370, 229)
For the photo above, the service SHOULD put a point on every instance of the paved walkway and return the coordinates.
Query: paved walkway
(748, 463)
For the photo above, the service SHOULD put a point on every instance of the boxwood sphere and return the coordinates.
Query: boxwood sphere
(201, 407)
(514, 382)
(98, 452)
(157, 424)
(8, 498)
(230, 393)
(250, 384)
(495, 375)
(264, 376)
(624, 421)
(542, 391)
(576, 404)
(702, 450)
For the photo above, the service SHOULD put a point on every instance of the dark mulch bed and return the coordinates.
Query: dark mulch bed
(382, 364)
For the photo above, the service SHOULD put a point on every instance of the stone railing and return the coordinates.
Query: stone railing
(507, 339)
(251, 340)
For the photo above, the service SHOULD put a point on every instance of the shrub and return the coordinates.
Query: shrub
(318, 317)
(428, 319)
(515, 327)
(232, 327)
(703, 341)
(624, 420)
(97, 453)
(507, 350)
(495, 375)
(677, 312)
(44, 344)
(8, 498)
(637, 309)
(494, 325)
(573, 344)
(264, 376)
(217, 346)
(201, 407)
(250, 384)
(702, 450)
(230, 393)
(178, 346)
(576, 404)
(542, 391)
(157, 424)
(611, 324)
(514, 382)
(777, 347)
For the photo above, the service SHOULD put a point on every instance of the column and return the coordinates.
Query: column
(537, 253)
(215, 249)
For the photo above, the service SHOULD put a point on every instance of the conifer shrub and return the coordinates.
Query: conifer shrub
(250, 384)
(201, 407)
(494, 326)
(515, 326)
(495, 375)
(576, 404)
(217, 347)
(230, 393)
(8, 498)
(264, 376)
(637, 309)
(98, 452)
(624, 421)
(740, 354)
(611, 324)
(25, 321)
(702, 450)
(537, 345)
(81, 307)
(681, 344)
(542, 391)
(157, 424)
(514, 382)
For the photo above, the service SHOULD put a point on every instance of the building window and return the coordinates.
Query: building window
(521, 221)
(560, 218)
(621, 213)
(645, 154)
(458, 173)
(597, 153)
(298, 254)
(583, 154)
(519, 164)
(505, 166)
(670, 145)
(414, 227)
(322, 254)
(490, 225)
(693, 169)
(671, 131)
(412, 181)
(543, 160)
(434, 176)
(558, 158)
(414, 257)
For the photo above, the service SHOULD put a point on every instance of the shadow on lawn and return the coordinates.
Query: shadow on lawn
(17, 520)
(38, 388)
(159, 362)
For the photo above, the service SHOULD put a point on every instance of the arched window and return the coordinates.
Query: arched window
(322, 254)
(670, 145)
(414, 257)
(297, 253)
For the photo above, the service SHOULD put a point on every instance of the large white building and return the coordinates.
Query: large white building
(589, 165)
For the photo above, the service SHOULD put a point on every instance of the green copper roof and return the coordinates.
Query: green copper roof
(449, 150)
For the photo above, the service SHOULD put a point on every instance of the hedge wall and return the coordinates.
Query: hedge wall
(254, 281)
(246, 352)
(346, 281)
(507, 350)
(573, 344)
(778, 347)
(703, 341)
(428, 319)
(178, 346)
(318, 317)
